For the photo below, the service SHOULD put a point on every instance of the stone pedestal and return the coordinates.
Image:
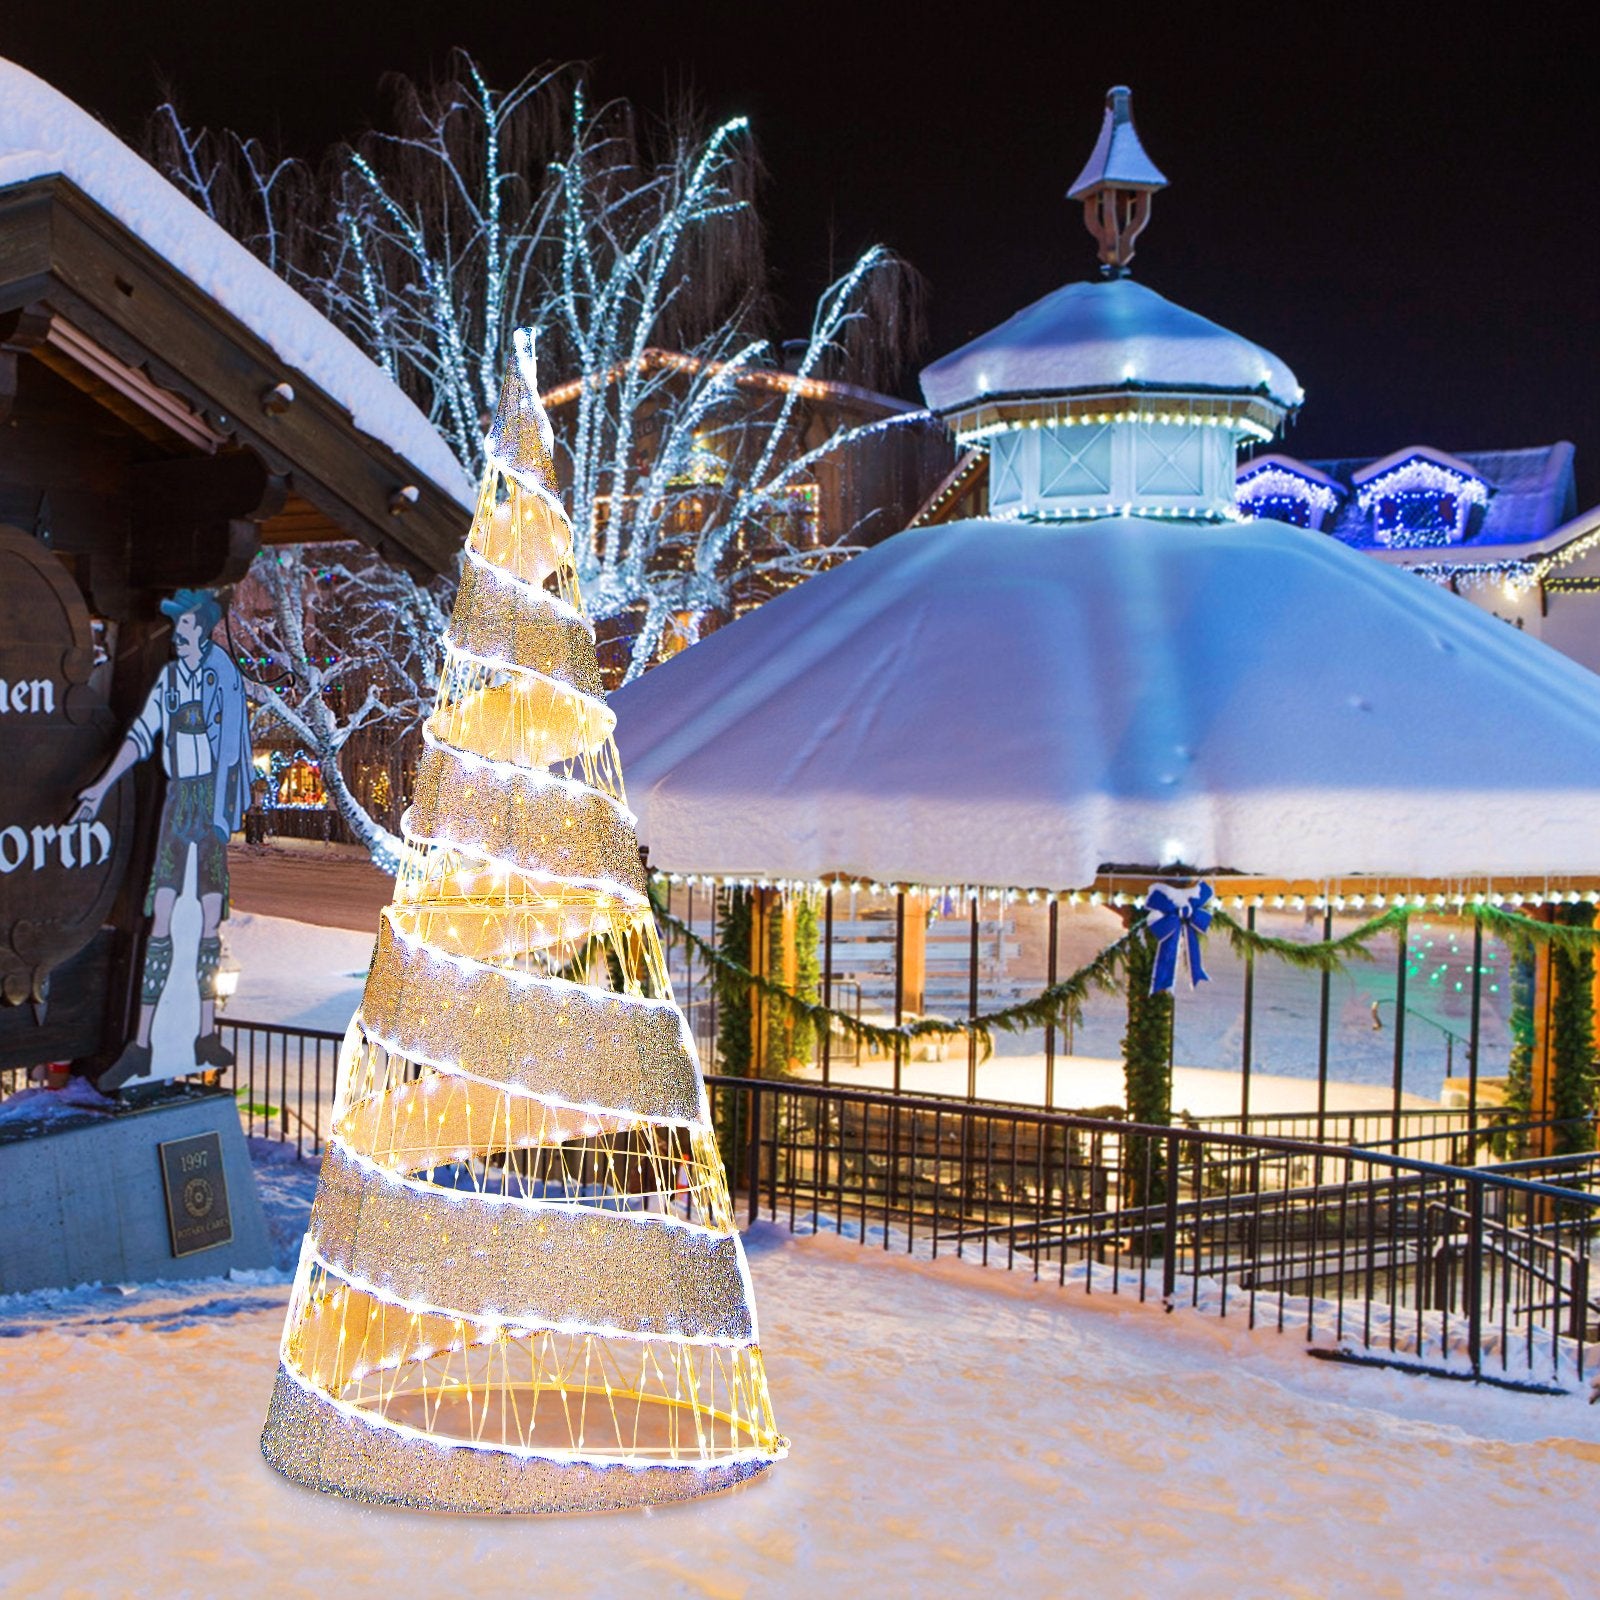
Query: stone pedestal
(91, 1198)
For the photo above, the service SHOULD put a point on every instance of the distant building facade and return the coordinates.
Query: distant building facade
(1501, 528)
(843, 500)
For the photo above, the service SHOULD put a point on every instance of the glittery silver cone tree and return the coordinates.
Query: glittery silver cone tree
(522, 1289)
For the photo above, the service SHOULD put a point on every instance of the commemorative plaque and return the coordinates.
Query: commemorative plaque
(197, 1193)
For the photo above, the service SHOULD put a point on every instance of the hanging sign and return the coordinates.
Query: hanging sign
(58, 878)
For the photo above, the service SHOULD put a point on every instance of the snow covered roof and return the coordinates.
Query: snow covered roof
(1274, 462)
(1532, 492)
(1415, 452)
(1112, 336)
(1006, 703)
(1118, 158)
(42, 133)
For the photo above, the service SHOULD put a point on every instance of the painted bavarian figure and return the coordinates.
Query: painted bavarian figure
(197, 717)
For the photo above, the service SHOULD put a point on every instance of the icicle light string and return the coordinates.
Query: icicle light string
(1439, 901)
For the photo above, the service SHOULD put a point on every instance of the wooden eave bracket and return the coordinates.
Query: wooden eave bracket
(127, 316)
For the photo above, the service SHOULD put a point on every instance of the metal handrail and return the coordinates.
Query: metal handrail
(1148, 1130)
(1276, 1219)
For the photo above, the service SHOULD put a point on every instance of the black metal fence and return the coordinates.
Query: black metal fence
(284, 1081)
(1484, 1271)
(1453, 1136)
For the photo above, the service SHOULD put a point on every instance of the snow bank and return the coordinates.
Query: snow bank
(43, 133)
(77, 1101)
(296, 974)
(955, 1432)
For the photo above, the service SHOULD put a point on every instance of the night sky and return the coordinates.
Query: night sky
(1401, 203)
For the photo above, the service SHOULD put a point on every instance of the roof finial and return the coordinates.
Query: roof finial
(1116, 184)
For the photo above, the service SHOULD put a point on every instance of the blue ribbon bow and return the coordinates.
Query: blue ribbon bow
(1173, 915)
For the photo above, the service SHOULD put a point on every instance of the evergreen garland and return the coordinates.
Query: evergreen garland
(1320, 955)
(735, 924)
(808, 979)
(1572, 1065)
(734, 921)
(1148, 1070)
(735, 979)
(1572, 932)
(1519, 1070)
(777, 1025)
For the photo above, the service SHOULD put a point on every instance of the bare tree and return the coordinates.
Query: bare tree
(640, 263)
(636, 251)
(339, 641)
(268, 203)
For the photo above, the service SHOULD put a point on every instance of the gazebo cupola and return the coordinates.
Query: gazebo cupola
(1104, 398)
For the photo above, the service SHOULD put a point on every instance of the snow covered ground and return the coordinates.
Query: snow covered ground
(955, 1430)
(295, 973)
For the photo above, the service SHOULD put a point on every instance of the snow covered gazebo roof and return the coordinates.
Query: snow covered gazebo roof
(1009, 703)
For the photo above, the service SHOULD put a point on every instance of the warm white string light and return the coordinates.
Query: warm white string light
(522, 1172)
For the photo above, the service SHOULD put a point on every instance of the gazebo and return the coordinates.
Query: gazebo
(1111, 680)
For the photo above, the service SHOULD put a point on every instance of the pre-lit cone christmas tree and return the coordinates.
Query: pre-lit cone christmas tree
(522, 1289)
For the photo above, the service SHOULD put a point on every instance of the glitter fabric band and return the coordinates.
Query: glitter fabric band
(332, 1448)
(351, 1342)
(429, 1120)
(504, 935)
(529, 1147)
(534, 823)
(636, 1272)
(500, 621)
(575, 1045)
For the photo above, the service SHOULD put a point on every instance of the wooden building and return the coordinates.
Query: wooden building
(846, 499)
(153, 438)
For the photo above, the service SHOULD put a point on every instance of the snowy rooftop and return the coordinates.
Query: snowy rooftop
(1005, 703)
(1097, 337)
(42, 133)
(1532, 492)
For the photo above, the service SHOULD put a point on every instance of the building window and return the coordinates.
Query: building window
(298, 782)
(1291, 508)
(1419, 500)
(1276, 489)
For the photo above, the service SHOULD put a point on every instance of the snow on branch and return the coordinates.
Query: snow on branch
(686, 448)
